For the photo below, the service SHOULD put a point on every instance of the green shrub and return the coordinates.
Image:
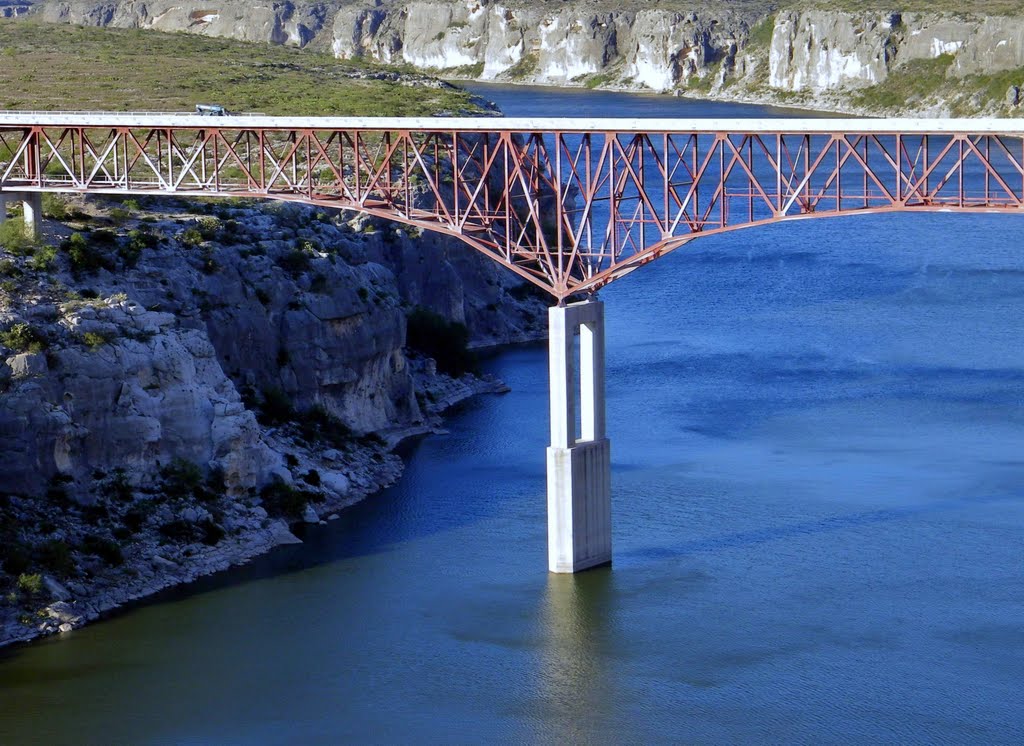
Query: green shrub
(136, 518)
(294, 262)
(181, 479)
(209, 227)
(15, 556)
(138, 241)
(275, 407)
(284, 501)
(14, 239)
(318, 426)
(95, 340)
(30, 584)
(43, 259)
(85, 255)
(191, 237)
(106, 549)
(23, 338)
(178, 530)
(9, 268)
(445, 341)
(211, 533)
(55, 556)
(55, 206)
(119, 488)
(318, 284)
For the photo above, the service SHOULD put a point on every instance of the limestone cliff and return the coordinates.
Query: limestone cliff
(176, 385)
(739, 50)
(213, 309)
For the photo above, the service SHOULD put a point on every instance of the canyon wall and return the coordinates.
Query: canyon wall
(745, 51)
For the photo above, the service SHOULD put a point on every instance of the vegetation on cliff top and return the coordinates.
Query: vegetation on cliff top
(54, 66)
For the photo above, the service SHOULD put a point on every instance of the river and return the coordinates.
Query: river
(818, 529)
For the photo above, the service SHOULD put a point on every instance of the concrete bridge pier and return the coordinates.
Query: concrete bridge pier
(579, 460)
(32, 209)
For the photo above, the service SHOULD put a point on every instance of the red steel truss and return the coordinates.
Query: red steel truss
(568, 205)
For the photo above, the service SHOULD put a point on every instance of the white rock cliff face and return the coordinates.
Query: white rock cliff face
(820, 51)
(155, 392)
(812, 51)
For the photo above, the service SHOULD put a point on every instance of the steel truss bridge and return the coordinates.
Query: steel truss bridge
(570, 205)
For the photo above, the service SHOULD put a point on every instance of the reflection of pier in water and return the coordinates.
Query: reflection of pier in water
(574, 682)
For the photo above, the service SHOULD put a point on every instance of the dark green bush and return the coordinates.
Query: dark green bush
(445, 341)
(275, 407)
(55, 207)
(211, 533)
(284, 501)
(106, 549)
(138, 241)
(178, 530)
(23, 338)
(318, 426)
(135, 519)
(87, 255)
(14, 239)
(181, 479)
(55, 557)
(119, 488)
(294, 262)
(15, 557)
(191, 237)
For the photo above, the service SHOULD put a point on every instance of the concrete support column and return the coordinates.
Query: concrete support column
(579, 462)
(32, 206)
(32, 209)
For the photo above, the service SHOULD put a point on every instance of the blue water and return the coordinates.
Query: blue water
(818, 525)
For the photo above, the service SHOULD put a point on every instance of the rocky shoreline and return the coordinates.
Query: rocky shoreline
(149, 568)
(182, 381)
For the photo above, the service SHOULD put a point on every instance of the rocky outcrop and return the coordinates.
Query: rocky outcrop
(747, 51)
(821, 50)
(178, 386)
(129, 389)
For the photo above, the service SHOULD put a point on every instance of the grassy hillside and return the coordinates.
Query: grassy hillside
(50, 66)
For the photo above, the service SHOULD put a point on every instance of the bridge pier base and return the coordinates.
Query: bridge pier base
(579, 467)
(32, 210)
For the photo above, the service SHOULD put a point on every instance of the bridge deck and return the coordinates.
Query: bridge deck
(519, 124)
